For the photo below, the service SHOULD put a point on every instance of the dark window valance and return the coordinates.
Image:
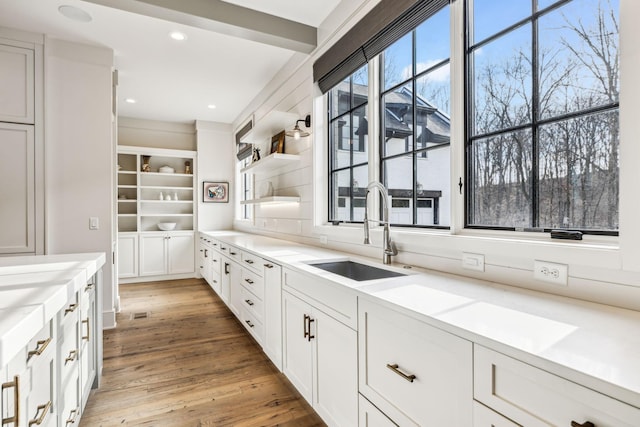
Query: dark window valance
(244, 149)
(384, 24)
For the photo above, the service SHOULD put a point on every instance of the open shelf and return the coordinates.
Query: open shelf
(271, 200)
(271, 162)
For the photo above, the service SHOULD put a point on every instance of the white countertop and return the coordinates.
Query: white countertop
(33, 289)
(592, 344)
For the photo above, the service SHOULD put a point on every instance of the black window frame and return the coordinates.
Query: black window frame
(534, 126)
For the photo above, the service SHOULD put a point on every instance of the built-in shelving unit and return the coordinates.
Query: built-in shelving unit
(147, 196)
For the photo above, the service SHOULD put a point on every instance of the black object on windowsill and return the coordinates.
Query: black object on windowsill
(566, 234)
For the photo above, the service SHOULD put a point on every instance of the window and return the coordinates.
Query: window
(415, 122)
(542, 122)
(348, 139)
(246, 193)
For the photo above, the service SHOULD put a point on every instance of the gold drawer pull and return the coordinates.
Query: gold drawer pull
(397, 370)
(71, 357)
(40, 348)
(73, 414)
(249, 302)
(249, 281)
(16, 400)
(45, 410)
(86, 322)
(269, 265)
(88, 287)
(585, 424)
(71, 309)
(248, 322)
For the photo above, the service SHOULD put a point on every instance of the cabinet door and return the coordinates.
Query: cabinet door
(335, 374)
(235, 288)
(370, 416)
(485, 417)
(16, 84)
(17, 188)
(153, 255)
(87, 343)
(297, 349)
(225, 279)
(127, 255)
(273, 313)
(181, 253)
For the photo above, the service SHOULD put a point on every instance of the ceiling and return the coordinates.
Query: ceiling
(233, 48)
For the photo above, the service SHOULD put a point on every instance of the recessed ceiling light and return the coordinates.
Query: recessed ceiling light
(74, 13)
(177, 35)
(130, 101)
(211, 106)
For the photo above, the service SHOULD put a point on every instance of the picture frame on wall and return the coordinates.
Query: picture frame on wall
(215, 192)
(277, 143)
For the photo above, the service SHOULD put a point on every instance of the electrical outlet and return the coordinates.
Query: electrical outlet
(472, 261)
(551, 272)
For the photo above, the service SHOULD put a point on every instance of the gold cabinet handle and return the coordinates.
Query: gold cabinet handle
(248, 322)
(397, 370)
(71, 309)
(73, 414)
(249, 302)
(269, 265)
(248, 261)
(249, 281)
(45, 410)
(86, 322)
(40, 348)
(71, 357)
(585, 424)
(16, 400)
(88, 287)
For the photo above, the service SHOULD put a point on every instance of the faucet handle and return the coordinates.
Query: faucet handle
(392, 249)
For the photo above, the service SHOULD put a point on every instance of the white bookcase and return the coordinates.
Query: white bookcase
(163, 192)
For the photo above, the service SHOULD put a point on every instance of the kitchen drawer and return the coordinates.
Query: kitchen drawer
(40, 400)
(252, 304)
(336, 300)
(69, 350)
(223, 248)
(253, 282)
(70, 401)
(370, 416)
(534, 398)
(415, 373)
(215, 262)
(253, 325)
(70, 312)
(253, 262)
(485, 417)
(234, 253)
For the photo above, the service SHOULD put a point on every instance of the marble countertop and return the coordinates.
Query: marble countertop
(33, 289)
(595, 345)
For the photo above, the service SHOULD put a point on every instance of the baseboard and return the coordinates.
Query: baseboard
(108, 319)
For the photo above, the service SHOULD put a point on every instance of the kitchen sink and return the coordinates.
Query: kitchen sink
(356, 271)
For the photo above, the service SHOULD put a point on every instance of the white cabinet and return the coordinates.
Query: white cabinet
(272, 312)
(370, 416)
(166, 253)
(485, 417)
(88, 343)
(415, 373)
(127, 255)
(17, 188)
(535, 398)
(17, 84)
(320, 359)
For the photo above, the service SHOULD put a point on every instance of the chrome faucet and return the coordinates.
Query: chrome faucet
(389, 248)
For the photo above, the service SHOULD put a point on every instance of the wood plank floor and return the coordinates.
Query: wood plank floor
(188, 363)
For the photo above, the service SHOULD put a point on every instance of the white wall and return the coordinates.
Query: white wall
(156, 134)
(216, 162)
(600, 269)
(78, 154)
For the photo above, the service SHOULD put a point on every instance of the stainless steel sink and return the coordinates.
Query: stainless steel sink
(356, 271)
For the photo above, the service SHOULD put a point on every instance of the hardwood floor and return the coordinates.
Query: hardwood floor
(188, 363)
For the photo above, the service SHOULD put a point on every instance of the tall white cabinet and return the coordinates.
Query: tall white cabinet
(19, 155)
(155, 186)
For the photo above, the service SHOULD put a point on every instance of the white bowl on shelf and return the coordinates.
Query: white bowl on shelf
(166, 226)
(166, 169)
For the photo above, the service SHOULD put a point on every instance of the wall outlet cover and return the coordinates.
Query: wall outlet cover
(551, 272)
(472, 261)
